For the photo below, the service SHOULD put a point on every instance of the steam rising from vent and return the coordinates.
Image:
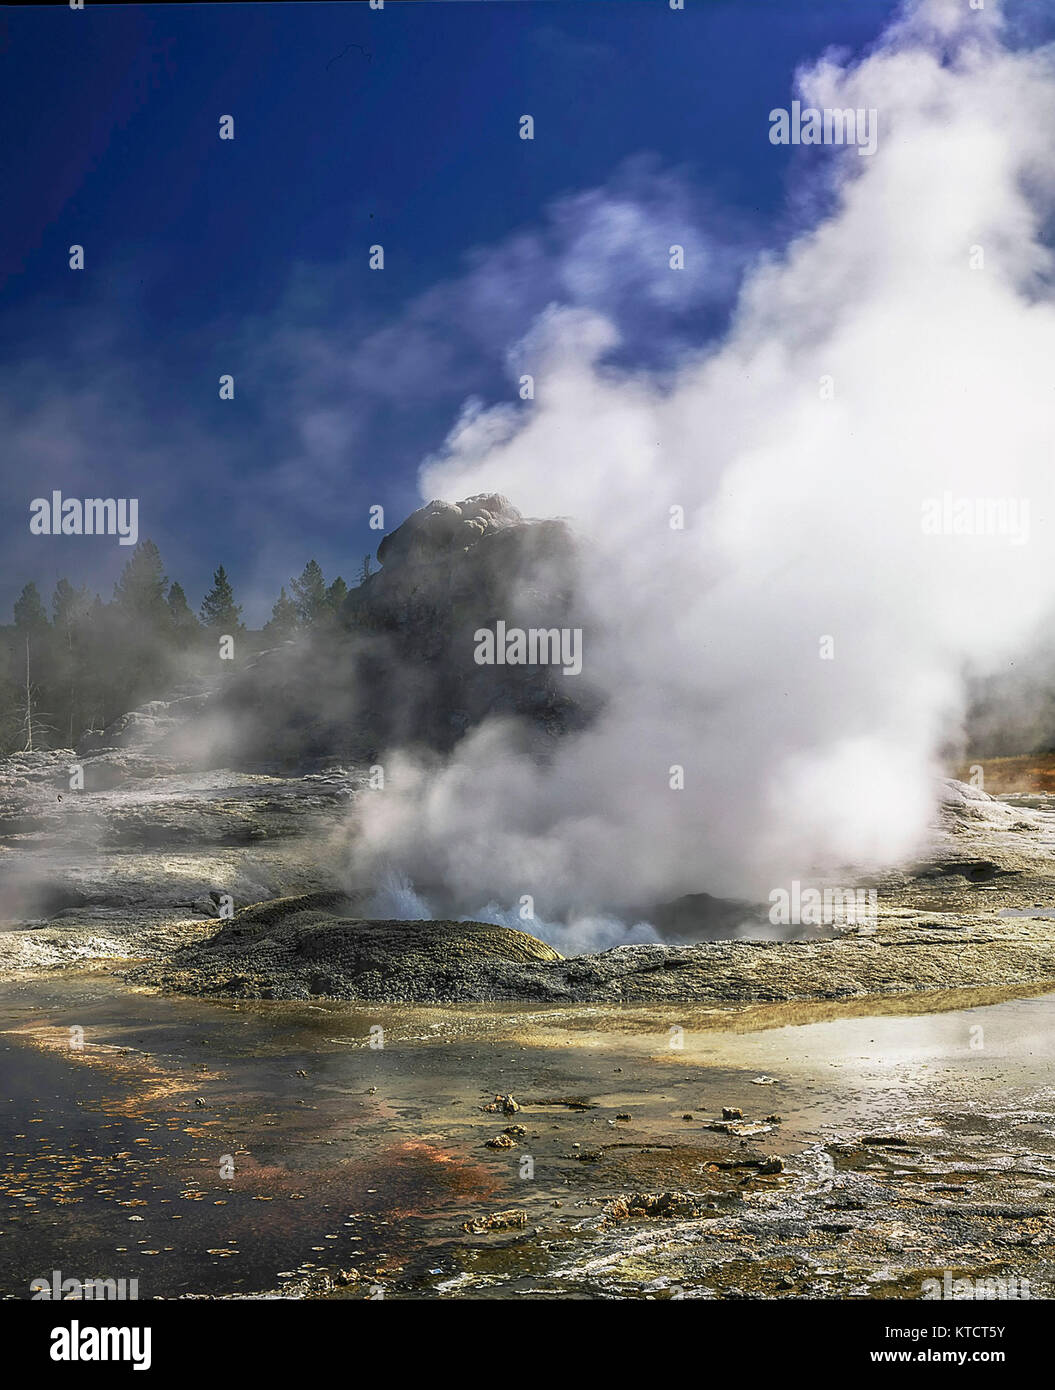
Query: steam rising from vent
(395, 899)
(800, 647)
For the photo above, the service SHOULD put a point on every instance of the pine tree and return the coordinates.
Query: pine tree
(71, 609)
(69, 606)
(31, 625)
(140, 592)
(219, 612)
(184, 624)
(283, 623)
(136, 647)
(309, 593)
(95, 681)
(335, 595)
(29, 612)
(364, 570)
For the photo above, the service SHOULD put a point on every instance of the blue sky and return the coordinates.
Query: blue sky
(352, 127)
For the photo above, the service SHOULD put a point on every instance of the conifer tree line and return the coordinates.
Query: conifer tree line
(78, 665)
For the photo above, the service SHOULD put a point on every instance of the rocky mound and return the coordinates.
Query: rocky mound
(146, 726)
(296, 947)
(399, 669)
(472, 962)
(443, 528)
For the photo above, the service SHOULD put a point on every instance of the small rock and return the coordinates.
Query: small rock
(740, 1128)
(651, 1204)
(512, 1219)
(504, 1105)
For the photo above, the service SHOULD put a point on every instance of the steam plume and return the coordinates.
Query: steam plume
(802, 518)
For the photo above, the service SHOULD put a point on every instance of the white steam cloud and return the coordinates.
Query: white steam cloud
(802, 519)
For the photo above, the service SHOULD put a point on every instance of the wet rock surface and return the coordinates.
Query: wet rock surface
(972, 913)
(412, 962)
(304, 946)
(906, 1155)
(145, 862)
(133, 865)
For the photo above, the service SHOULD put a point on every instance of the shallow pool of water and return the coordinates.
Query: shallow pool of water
(209, 1147)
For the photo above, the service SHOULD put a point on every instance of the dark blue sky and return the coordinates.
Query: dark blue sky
(352, 127)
